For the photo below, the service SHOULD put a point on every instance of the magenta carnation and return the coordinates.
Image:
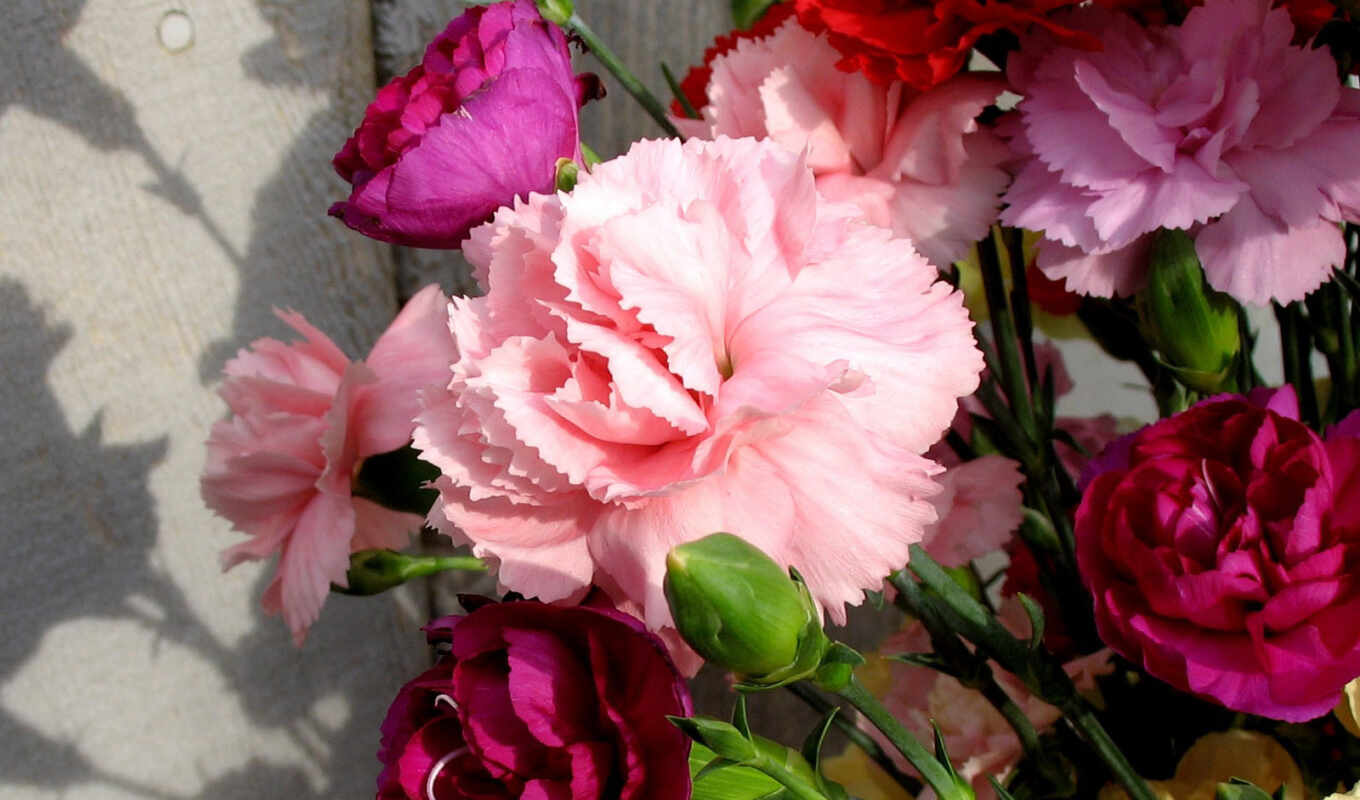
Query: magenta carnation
(914, 161)
(1218, 126)
(693, 340)
(535, 702)
(481, 120)
(1222, 547)
(303, 418)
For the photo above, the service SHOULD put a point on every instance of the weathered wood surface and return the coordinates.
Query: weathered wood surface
(154, 206)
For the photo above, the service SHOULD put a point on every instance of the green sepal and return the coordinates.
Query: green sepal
(1195, 328)
(838, 667)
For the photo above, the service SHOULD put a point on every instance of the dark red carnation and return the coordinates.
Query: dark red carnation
(539, 701)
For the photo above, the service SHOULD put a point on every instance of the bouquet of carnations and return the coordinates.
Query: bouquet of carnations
(783, 361)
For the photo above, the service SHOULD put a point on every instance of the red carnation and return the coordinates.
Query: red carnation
(923, 42)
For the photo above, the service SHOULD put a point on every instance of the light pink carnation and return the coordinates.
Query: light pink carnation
(916, 162)
(1218, 126)
(303, 419)
(692, 341)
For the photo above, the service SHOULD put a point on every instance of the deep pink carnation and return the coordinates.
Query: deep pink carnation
(481, 120)
(1222, 546)
(1219, 126)
(914, 161)
(303, 418)
(538, 702)
(693, 340)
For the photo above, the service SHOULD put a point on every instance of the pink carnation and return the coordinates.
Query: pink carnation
(692, 341)
(916, 162)
(303, 419)
(979, 509)
(1219, 126)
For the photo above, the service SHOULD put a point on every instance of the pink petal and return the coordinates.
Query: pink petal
(1257, 259)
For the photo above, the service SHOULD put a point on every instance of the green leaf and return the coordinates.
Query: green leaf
(716, 778)
(720, 737)
(739, 720)
(1036, 620)
(812, 745)
(1001, 793)
(746, 12)
(1238, 789)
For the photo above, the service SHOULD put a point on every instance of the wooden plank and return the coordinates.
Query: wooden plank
(155, 205)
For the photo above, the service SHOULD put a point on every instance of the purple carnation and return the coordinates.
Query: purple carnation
(1219, 126)
(483, 119)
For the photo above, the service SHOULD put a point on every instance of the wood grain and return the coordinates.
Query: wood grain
(155, 205)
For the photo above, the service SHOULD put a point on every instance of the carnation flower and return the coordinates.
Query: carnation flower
(1216, 758)
(979, 509)
(923, 42)
(303, 419)
(914, 162)
(1219, 126)
(693, 340)
(536, 701)
(483, 119)
(1221, 546)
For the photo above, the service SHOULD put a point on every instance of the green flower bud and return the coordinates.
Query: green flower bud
(739, 610)
(567, 174)
(556, 11)
(376, 571)
(1193, 327)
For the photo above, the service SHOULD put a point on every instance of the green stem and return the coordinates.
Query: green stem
(967, 667)
(1042, 674)
(620, 71)
(916, 754)
(1346, 356)
(797, 787)
(1006, 337)
(1020, 306)
(679, 93)
(856, 736)
(1296, 348)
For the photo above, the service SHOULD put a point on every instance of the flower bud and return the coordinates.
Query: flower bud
(556, 11)
(1194, 327)
(739, 610)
